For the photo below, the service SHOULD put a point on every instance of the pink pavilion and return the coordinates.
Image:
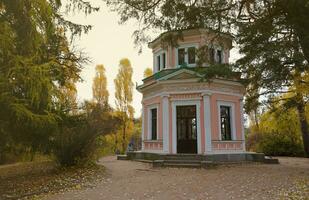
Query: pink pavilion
(181, 113)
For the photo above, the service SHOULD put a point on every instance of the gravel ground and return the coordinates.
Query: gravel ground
(31, 180)
(134, 180)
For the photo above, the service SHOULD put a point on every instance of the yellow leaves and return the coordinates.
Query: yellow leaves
(148, 72)
(124, 98)
(124, 85)
(99, 86)
(68, 95)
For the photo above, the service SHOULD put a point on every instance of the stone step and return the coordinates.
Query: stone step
(183, 161)
(143, 160)
(183, 157)
(122, 157)
(182, 165)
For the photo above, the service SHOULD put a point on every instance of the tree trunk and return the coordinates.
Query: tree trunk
(256, 120)
(124, 137)
(303, 124)
(116, 143)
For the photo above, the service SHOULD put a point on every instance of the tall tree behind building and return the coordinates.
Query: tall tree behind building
(148, 72)
(99, 90)
(124, 97)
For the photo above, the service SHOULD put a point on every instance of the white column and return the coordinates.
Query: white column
(165, 123)
(242, 124)
(207, 122)
(143, 126)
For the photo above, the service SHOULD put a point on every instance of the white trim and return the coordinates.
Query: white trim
(149, 108)
(174, 123)
(165, 123)
(242, 124)
(186, 46)
(160, 54)
(193, 91)
(233, 124)
(192, 80)
(196, 80)
(143, 127)
(207, 122)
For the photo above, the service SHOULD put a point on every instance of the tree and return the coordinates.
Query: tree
(99, 90)
(273, 36)
(279, 65)
(148, 72)
(124, 97)
(37, 62)
(279, 133)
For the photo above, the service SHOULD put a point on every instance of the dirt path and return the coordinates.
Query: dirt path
(134, 180)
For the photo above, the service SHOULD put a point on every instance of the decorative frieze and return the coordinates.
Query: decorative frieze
(185, 96)
(227, 145)
(192, 88)
(153, 144)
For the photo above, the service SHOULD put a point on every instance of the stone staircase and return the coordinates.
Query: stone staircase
(196, 160)
(183, 160)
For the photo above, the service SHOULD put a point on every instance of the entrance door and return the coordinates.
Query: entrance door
(186, 129)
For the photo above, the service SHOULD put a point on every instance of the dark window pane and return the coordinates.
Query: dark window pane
(158, 63)
(219, 56)
(164, 60)
(211, 55)
(191, 55)
(154, 124)
(225, 120)
(181, 56)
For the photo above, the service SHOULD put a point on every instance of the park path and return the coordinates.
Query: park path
(134, 180)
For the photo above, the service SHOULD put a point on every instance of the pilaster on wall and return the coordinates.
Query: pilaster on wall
(143, 126)
(165, 123)
(207, 122)
(242, 123)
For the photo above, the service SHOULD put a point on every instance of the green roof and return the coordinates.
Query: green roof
(198, 70)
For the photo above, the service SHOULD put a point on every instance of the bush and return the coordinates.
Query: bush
(275, 144)
(72, 142)
(278, 134)
(76, 140)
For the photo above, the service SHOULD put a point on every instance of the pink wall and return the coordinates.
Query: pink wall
(147, 103)
(214, 114)
(214, 98)
(189, 39)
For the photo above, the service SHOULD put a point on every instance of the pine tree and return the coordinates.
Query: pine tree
(37, 63)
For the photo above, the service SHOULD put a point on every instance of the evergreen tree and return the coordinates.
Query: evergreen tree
(36, 64)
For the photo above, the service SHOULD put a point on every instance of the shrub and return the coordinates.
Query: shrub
(275, 144)
(76, 140)
(278, 134)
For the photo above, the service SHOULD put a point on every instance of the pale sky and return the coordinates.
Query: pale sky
(106, 44)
